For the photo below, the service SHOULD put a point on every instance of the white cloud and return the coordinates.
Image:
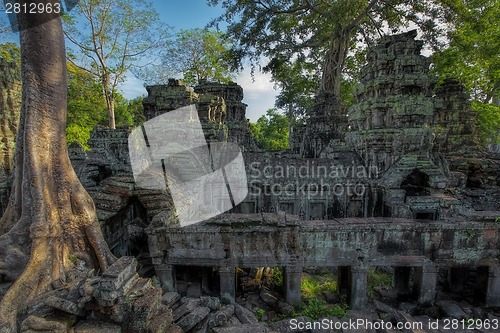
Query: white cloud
(132, 88)
(259, 93)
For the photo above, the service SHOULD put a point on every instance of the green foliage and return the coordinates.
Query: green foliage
(87, 106)
(271, 131)
(489, 121)
(377, 278)
(260, 313)
(277, 276)
(316, 308)
(200, 54)
(314, 286)
(10, 52)
(298, 82)
(320, 38)
(129, 112)
(472, 54)
(112, 37)
(472, 58)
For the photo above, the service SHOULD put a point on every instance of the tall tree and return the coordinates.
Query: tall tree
(271, 131)
(199, 54)
(115, 36)
(318, 31)
(87, 106)
(472, 57)
(50, 216)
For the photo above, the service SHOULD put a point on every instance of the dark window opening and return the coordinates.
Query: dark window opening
(416, 184)
(425, 216)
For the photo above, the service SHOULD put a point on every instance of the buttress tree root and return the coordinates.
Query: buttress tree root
(50, 219)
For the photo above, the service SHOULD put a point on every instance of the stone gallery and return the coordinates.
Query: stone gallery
(399, 181)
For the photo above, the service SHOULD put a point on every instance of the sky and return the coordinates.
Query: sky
(259, 93)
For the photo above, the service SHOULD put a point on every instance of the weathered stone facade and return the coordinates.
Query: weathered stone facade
(236, 241)
(10, 107)
(390, 162)
(400, 182)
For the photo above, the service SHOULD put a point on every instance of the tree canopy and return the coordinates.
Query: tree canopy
(324, 34)
(197, 55)
(87, 107)
(271, 131)
(471, 57)
(113, 36)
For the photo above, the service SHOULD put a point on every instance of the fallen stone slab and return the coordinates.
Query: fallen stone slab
(284, 326)
(407, 307)
(382, 307)
(220, 317)
(190, 305)
(213, 303)
(147, 306)
(261, 328)
(118, 273)
(161, 322)
(268, 298)
(244, 315)
(63, 305)
(451, 309)
(170, 298)
(89, 326)
(38, 324)
(192, 319)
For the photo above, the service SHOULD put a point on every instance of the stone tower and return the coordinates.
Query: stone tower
(454, 121)
(235, 116)
(394, 113)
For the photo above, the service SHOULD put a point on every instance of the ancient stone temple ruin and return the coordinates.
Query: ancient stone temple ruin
(400, 182)
(10, 104)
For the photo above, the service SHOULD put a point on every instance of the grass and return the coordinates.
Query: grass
(314, 286)
(377, 278)
(316, 308)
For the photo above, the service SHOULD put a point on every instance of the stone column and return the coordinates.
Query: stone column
(424, 283)
(166, 274)
(493, 287)
(401, 280)
(291, 284)
(358, 279)
(227, 284)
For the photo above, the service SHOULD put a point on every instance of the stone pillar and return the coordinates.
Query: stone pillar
(358, 279)
(456, 279)
(166, 274)
(401, 280)
(227, 284)
(291, 284)
(424, 284)
(493, 287)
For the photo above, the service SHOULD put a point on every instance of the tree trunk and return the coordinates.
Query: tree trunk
(51, 219)
(110, 101)
(334, 63)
